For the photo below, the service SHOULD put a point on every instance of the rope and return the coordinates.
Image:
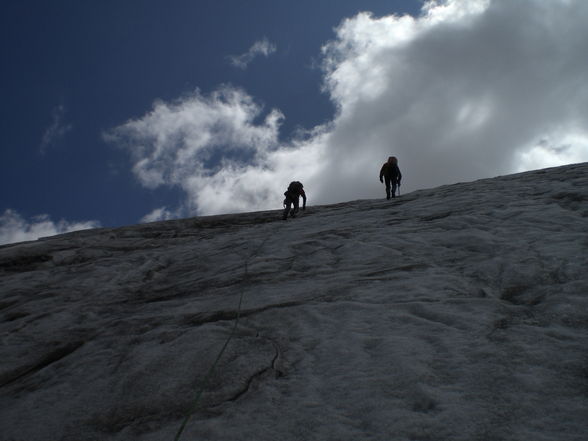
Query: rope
(204, 383)
(210, 372)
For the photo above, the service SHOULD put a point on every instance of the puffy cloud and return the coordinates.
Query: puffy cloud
(469, 89)
(463, 91)
(159, 214)
(14, 228)
(261, 47)
(568, 150)
(220, 149)
(176, 141)
(57, 130)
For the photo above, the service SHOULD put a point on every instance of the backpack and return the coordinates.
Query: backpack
(294, 188)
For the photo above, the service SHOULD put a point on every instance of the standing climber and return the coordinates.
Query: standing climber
(295, 190)
(391, 173)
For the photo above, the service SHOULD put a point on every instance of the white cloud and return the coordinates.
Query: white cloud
(175, 140)
(261, 47)
(213, 147)
(14, 228)
(57, 130)
(159, 214)
(461, 91)
(466, 90)
(544, 153)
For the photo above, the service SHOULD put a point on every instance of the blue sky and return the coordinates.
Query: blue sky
(117, 112)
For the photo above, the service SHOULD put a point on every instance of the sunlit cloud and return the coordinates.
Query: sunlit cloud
(221, 149)
(460, 92)
(159, 214)
(569, 149)
(468, 89)
(15, 228)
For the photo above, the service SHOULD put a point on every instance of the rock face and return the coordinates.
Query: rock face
(457, 313)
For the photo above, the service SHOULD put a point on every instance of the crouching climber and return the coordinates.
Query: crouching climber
(295, 190)
(391, 173)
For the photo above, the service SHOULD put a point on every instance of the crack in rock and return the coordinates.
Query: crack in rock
(273, 367)
(45, 360)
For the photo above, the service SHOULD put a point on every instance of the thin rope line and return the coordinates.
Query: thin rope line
(218, 357)
(210, 371)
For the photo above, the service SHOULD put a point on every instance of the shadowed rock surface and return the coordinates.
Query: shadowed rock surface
(456, 313)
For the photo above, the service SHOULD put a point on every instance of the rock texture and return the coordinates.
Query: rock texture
(457, 313)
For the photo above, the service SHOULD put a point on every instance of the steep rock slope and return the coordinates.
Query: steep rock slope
(457, 313)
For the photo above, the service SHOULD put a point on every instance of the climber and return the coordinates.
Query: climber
(295, 190)
(391, 173)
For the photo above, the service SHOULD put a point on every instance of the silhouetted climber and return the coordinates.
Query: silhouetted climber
(391, 173)
(295, 190)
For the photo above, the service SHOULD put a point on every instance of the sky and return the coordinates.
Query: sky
(116, 113)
